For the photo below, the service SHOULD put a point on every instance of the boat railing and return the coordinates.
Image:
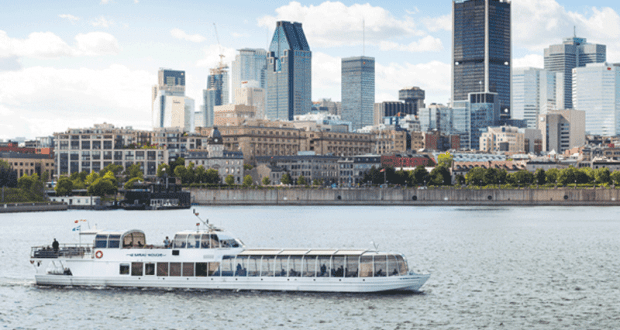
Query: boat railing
(64, 251)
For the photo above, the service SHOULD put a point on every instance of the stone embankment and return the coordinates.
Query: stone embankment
(400, 196)
(31, 207)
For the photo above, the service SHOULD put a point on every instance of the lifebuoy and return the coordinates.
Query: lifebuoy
(98, 254)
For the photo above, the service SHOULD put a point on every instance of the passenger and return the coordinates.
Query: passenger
(55, 245)
(380, 273)
(140, 244)
(395, 272)
(323, 270)
(167, 243)
(205, 244)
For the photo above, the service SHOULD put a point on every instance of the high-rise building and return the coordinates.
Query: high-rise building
(436, 117)
(413, 96)
(217, 92)
(250, 65)
(596, 90)
(390, 109)
(502, 139)
(562, 130)
(572, 53)
(358, 90)
(170, 107)
(289, 73)
(535, 92)
(252, 96)
(335, 108)
(481, 50)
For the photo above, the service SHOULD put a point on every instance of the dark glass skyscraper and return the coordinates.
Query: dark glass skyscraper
(358, 91)
(481, 49)
(289, 73)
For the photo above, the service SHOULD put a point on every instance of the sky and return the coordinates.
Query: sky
(74, 63)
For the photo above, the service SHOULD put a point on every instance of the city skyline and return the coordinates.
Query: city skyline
(75, 63)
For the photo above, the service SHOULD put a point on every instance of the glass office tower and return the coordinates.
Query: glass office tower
(481, 50)
(358, 91)
(215, 94)
(249, 65)
(289, 73)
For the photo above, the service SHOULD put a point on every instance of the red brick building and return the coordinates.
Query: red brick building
(398, 161)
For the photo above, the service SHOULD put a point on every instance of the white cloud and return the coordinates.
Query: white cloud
(41, 100)
(239, 35)
(101, 22)
(335, 24)
(531, 60)
(434, 24)
(105, 2)
(212, 56)
(180, 34)
(326, 74)
(426, 44)
(69, 17)
(49, 45)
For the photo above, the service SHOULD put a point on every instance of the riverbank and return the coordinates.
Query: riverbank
(401, 196)
(31, 207)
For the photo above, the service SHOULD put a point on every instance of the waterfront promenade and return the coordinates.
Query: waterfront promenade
(409, 196)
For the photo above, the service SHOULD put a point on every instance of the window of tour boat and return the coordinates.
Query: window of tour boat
(201, 269)
(337, 266)
(227, 267)
(267, 266)
(392, 265)
(294, 263)
(352, 266)
(241, 268)
(134, 239)
(179, 241)
(254, 266)
(175, 269)
(162, 269)
(324, 263)
(188, 269)
(124, 269)
(114, 241)
(149, 269)
(101, 241)
(402, 265)
(281, 266)
(137, 269)
(366, 266)
(309, 268)
(380, 265)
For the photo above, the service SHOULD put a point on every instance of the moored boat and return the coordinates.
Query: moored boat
(210, 258)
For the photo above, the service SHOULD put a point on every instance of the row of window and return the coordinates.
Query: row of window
(275, 266)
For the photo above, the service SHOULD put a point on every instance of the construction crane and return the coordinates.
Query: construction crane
(221, 66)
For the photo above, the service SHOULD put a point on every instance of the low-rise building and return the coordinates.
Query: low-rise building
(29, 164)
(232, 114)
(272, 172)
(562, 130)
(215, 157)
(502, 139)
(407, 161)
(351, 170)
(311, 167)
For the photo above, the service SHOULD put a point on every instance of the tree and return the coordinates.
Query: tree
(247, 181)
(540, 177)
(460, 179)
(552, 175)
(317, 182)
(266, 181)
(446, 159)
(567, 176)
(130, 184)
(181, 172)
(4, 164)
(110, 177)
(523, 177)
(90, 179)
(102, 187)
(602, 176)
(45, 177)
(615, 177)
(200, 174)
(419, 176)
(134, 171)
(301, 180)
(440, 175)
(116, 169)
(179, 162)
(247, 167)
(286, 179)
(230, 180)
(400, 177)
(475, 176)
(212, 176)
(25, 182)
(162, 169)
(64, 186)
(8, 177)
(490, 176)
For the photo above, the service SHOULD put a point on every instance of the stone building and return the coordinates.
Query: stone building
(215, 157)
(29, 164)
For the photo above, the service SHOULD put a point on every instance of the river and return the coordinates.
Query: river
(492, 267)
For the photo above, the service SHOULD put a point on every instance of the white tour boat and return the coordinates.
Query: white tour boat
(213, 259)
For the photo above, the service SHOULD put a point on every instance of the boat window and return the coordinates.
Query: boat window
(352, 266)
(227, 266)
(337, 266)
(101, 241)
(179, 241)
(294, 263)
(366, 266)
(162, 269)
(309, 266)
(281, 265)
(134, 239)
(229, 243)
(137, 269)
(114, 241)
(267, 266)
(402, 265)
(149, 269)
(254, 266)
(205, 242)
(201, 269)
(124, 269)
(380, 265)
(214, 243)
(196, 240)
(213, 267)
(392, 265)
(241, 268)
(188, 269)
(175, 269)
(324, 263)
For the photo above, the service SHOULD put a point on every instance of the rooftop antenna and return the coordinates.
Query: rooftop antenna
(575, 30)
(363, 37)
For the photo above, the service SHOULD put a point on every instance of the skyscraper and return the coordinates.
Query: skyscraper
(572, 53)
(358, 90)
(170, 107)
(216, 93)
(250, 65)
(596, 90)
(289, 73)
(481, 49)
(414, 96)
(535, 92)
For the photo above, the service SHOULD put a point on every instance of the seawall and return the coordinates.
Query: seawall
(400, 196)
(31, 207)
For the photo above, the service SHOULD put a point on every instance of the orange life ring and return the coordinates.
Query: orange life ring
(99, 254)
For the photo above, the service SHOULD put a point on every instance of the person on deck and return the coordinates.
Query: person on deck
(167, 242)
(55, 245)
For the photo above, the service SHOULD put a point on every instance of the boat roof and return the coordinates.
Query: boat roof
(312, 252)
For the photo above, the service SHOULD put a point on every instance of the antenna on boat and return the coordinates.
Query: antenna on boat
(206, 223)
(375, 245)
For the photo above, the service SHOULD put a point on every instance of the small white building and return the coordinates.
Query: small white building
(77, 200)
